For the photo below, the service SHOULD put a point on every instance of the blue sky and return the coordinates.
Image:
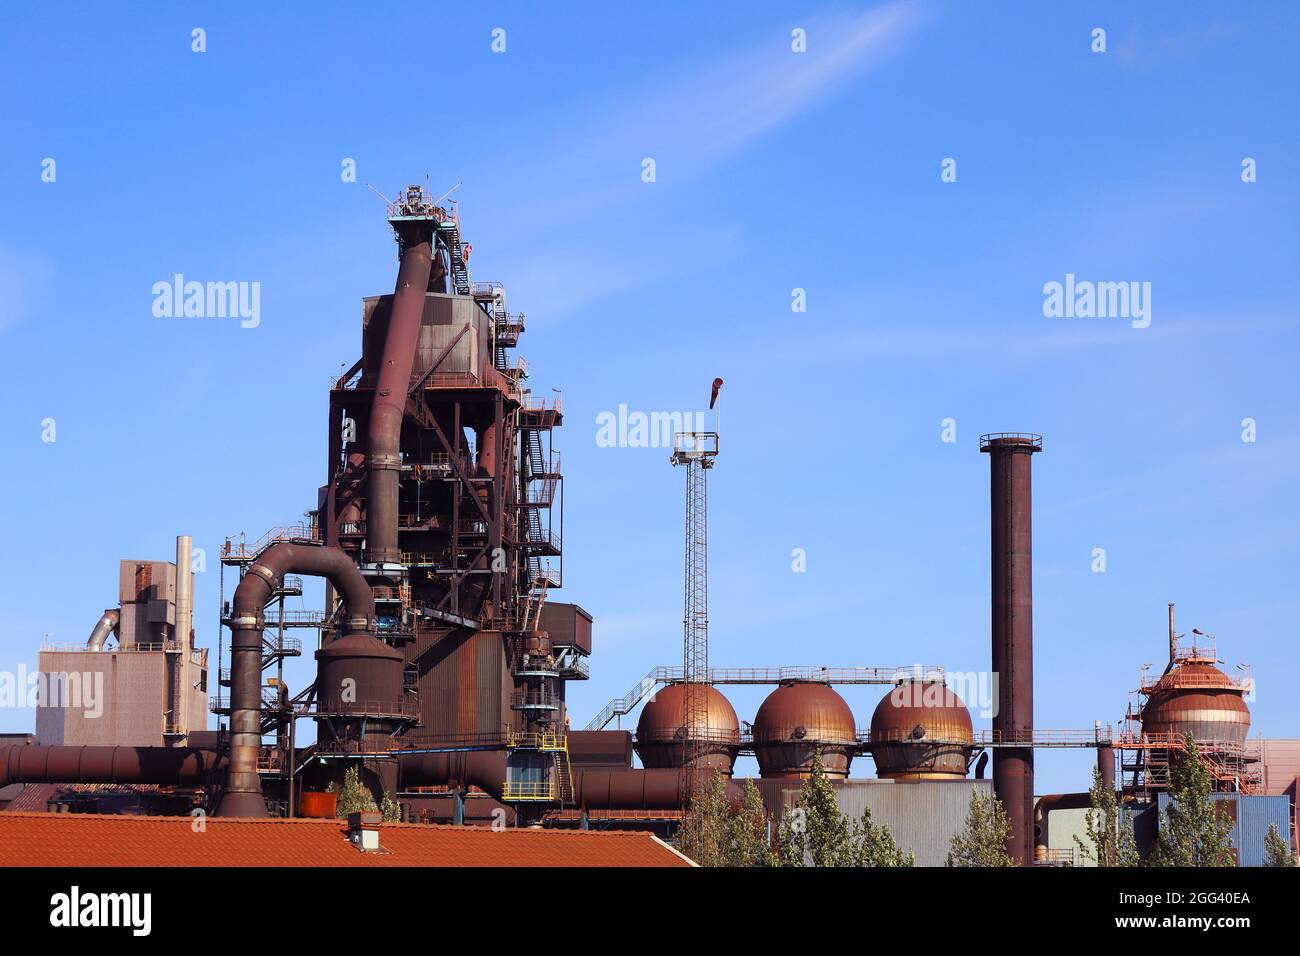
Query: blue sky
(774, 171)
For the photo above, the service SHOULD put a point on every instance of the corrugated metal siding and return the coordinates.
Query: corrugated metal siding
(1280, 760)
(1253, 816)
(1062, 828)
(923, 816)
(462, 691)
(130, 712)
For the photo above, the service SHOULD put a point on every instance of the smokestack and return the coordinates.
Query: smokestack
(1011, 538)
(1173, 638)
(414, 224)
(184, 590)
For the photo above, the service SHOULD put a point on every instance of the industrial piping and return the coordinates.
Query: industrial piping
(176, 766)
(384, 432)
(1011, 540)
(592, 789)
(485, 769)
(184, 590)
(658, 789)
(108, 624)
(243, 790)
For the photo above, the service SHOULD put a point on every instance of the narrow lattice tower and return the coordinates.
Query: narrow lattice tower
(696, 451)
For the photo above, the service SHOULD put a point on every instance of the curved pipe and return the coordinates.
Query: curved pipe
(1055, 801)
(175, 766)
(108, 624)
(485, 769)
(243, 790)
(384, 431)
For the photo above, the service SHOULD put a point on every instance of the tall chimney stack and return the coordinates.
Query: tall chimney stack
(184, 590)
(1011, 538)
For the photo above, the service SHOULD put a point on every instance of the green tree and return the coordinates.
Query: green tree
(391, 809)
(747, 837)
(816, 832)
(876, 846)
(1194, 830)
(1110, 839)
(983, 841)
(353, 797)
(717, 832)
(1277, 850)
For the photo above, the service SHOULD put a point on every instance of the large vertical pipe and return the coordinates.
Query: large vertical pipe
(243, 791)
(1011, 540)
(384, 434)
(1106, 766)
(184, 590)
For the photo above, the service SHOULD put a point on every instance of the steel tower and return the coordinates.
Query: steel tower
(696, 451)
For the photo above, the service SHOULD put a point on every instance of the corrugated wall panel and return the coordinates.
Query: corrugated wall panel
(1253, 816)
(922, 816)
(1062, 828)
(1281, 764)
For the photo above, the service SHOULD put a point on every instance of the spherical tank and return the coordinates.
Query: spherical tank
(797, 720)
(660, 733)
(1199, 699)
(921, 729)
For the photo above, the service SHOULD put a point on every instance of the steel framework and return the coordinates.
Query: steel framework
(696, 451)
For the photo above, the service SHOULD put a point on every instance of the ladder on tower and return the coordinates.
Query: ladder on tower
(536, 454)
(450, 234)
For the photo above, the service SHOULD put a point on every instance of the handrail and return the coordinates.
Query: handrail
(80, 648)
(1028, 438)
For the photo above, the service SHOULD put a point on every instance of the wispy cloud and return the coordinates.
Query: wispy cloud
(24, 280)
(699, 116)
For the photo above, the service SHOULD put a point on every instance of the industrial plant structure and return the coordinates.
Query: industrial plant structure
(442, 656)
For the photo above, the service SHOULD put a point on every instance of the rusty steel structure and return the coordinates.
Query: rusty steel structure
(697, 453)
(443, 658)
(921, 730)
(1011, 544)
(1191, 699)
(801, 719)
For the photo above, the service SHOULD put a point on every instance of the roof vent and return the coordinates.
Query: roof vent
(363, 831)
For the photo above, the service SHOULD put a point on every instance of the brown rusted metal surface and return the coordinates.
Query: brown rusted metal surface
(1199, 699)
(652, 789)
(1106, 766)
(485, 769)
(661, 740)
(243, 790)
(795, 721)
(175, 766)
(921, 730)
(1011, 546)
(389, 406)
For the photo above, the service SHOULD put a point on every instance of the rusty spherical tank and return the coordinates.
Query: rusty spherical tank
(1199, 699)
(797, 720)
(660, 735)
(919, 730)
(359, 674)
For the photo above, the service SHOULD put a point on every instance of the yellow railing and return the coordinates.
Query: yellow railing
(517, 791)
(541, 741)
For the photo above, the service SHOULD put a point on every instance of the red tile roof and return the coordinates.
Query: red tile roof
(84, 839)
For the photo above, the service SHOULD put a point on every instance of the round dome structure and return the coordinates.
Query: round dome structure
(1199, 699)
(797, 720)
(661, 734)
(920, 730)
